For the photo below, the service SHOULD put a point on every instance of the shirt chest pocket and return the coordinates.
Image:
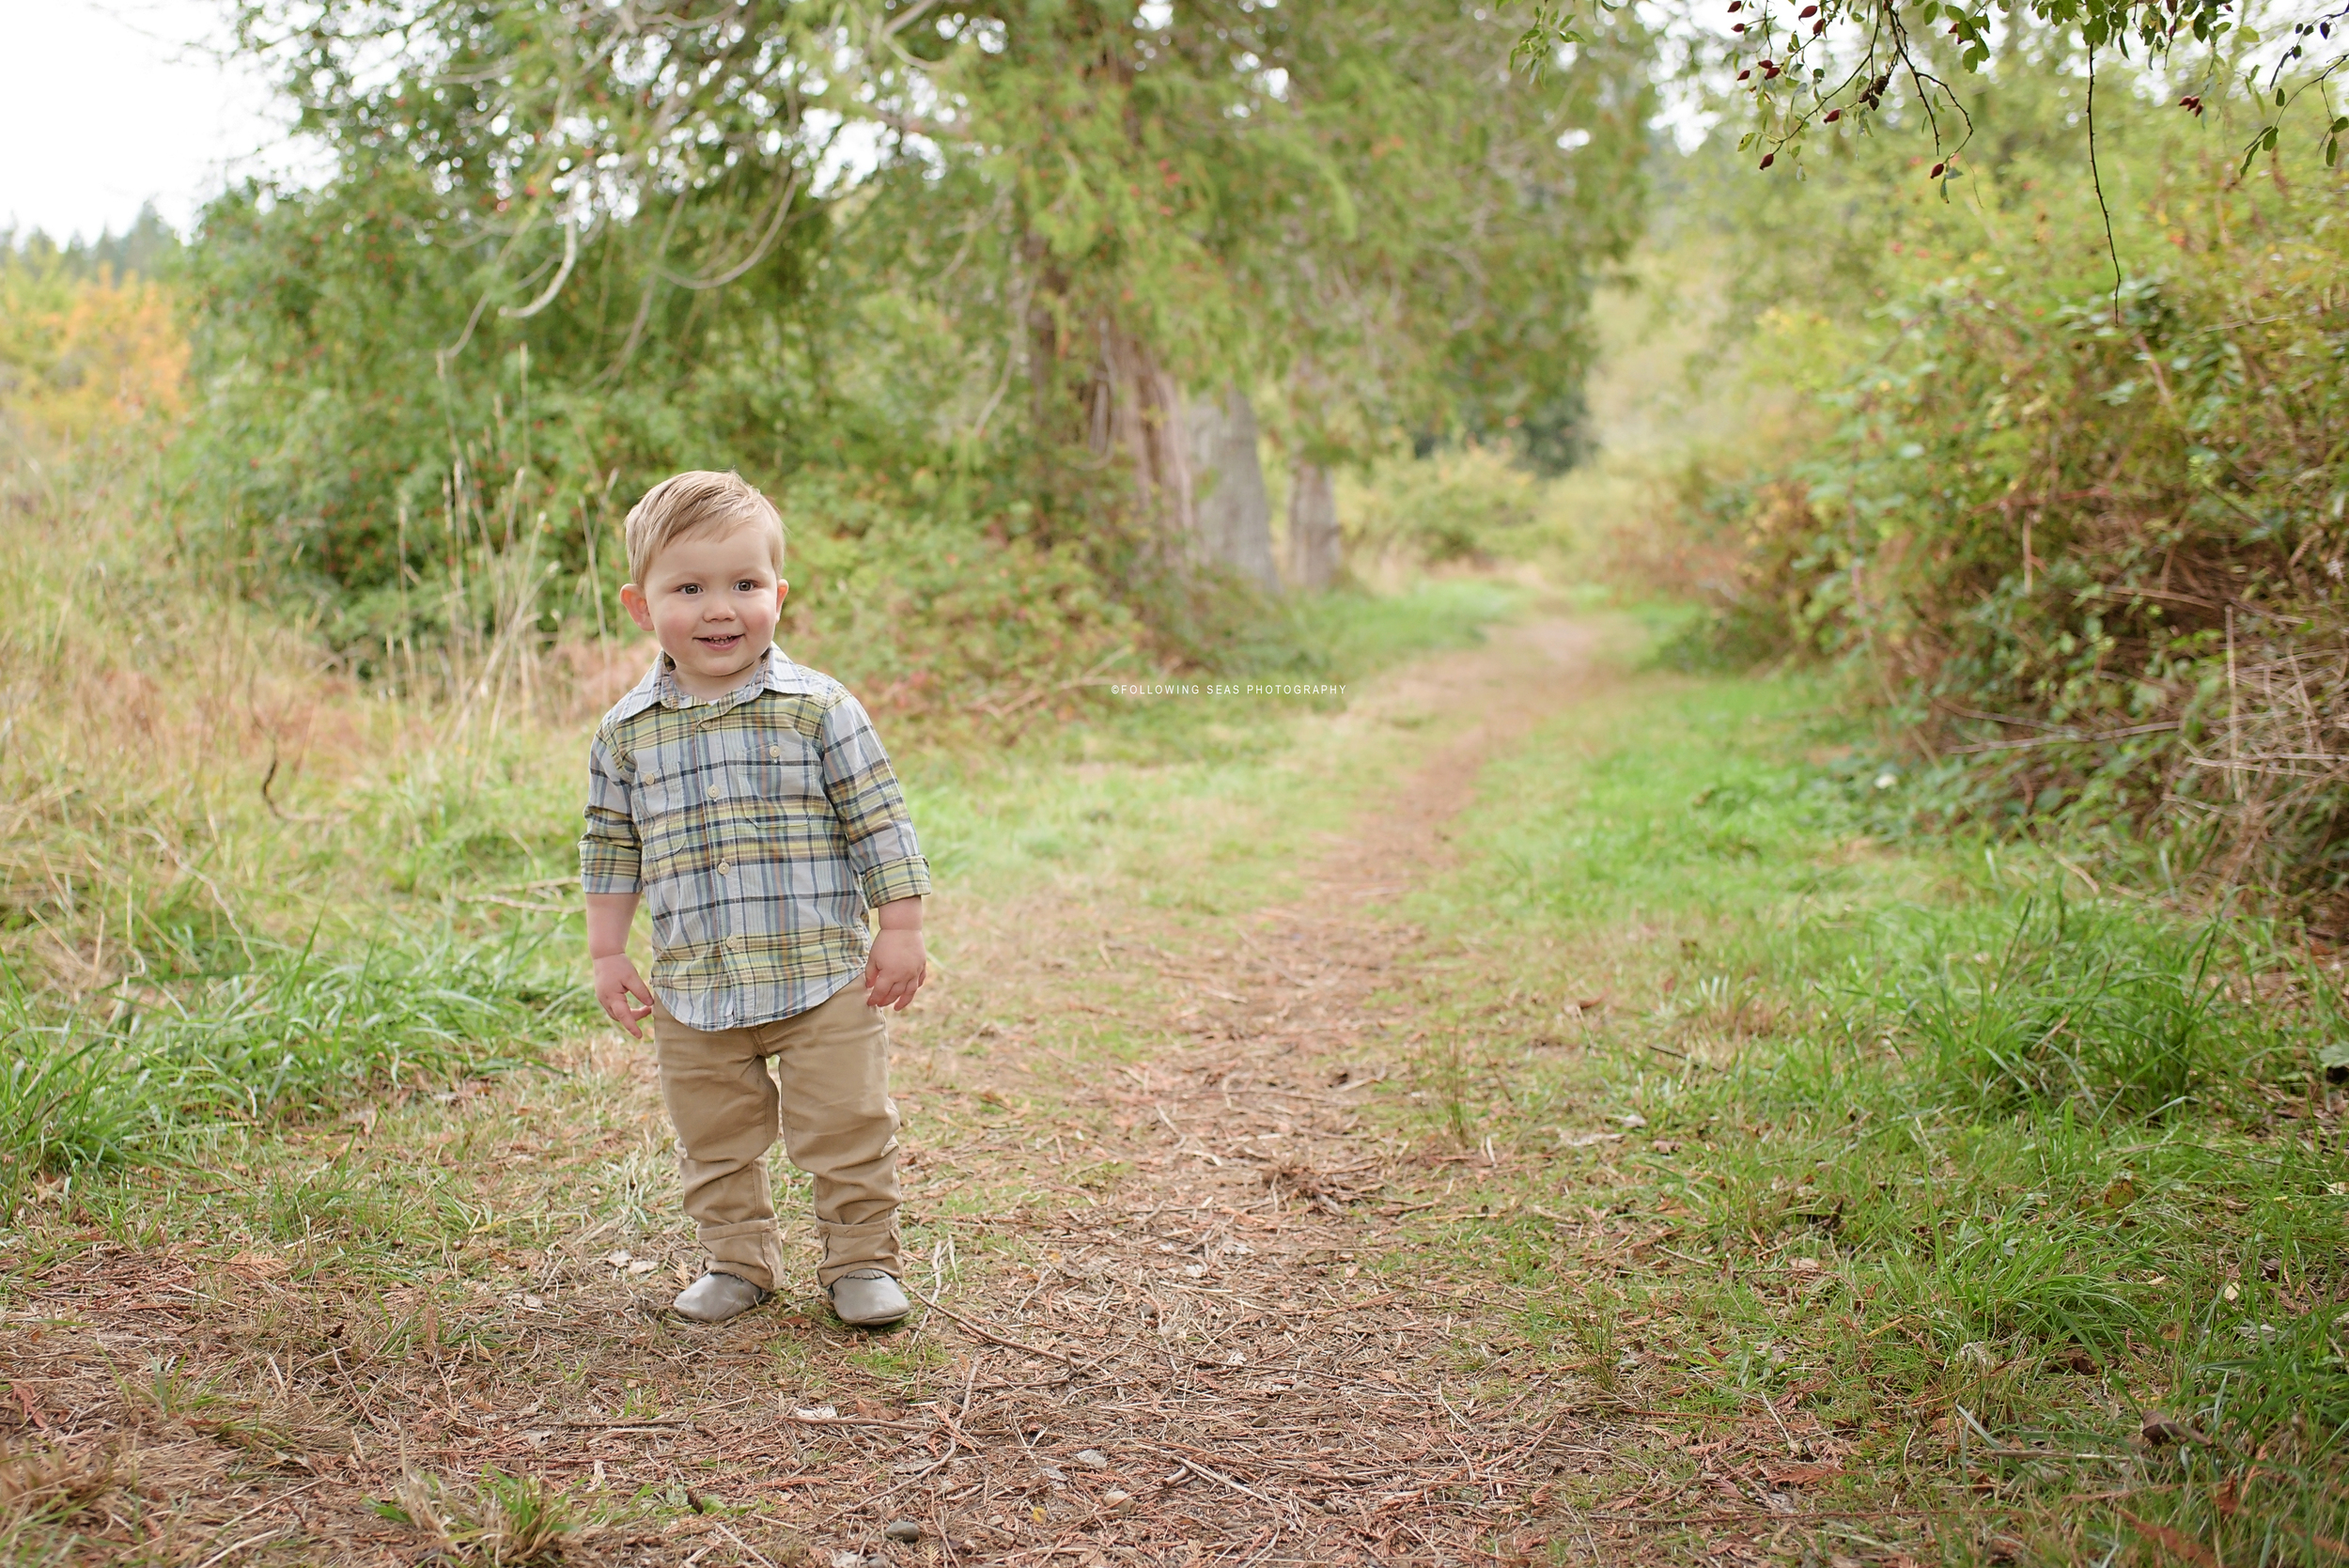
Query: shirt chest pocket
(656, 793)
(782, 771)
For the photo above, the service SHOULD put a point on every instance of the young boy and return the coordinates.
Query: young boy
(749, 800)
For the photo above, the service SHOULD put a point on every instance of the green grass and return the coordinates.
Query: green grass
(500, 1522)
(295, 1033)
(1338, 639)
(2026, 1142)
(1172, 792)
(1979, 1171)
(179, 954)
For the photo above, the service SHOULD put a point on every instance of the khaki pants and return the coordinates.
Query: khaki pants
(837, 1120)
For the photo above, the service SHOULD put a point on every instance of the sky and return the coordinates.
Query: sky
(108, 103)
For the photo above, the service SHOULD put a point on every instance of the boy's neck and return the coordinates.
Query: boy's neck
(704, 689)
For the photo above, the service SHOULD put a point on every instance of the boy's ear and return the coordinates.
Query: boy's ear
(783, 591)
(638, 608)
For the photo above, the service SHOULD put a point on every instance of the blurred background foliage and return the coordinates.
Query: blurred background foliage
(347, 463)
(927, 275)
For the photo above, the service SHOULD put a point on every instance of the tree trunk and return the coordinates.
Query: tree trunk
(1197, 475)
(1315, 545)
(1234, 519)
(1134, 407)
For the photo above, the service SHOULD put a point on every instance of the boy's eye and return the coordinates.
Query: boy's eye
(746, 586)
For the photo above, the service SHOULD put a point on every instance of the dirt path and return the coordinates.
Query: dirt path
(1154, 1187)
(1259, 1396)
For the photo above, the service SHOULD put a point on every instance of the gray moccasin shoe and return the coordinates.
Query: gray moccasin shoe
(715, 1297)
(869, 1299)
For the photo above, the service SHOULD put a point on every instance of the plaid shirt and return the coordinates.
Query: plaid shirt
(760, 827)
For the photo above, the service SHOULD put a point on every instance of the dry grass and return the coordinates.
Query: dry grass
(1329, 1239)
(1219, 1272)
(1183, 1314)
(53, 1480)
(168, 754)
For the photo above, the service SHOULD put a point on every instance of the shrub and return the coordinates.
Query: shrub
(2093, 541)
(1463, 505)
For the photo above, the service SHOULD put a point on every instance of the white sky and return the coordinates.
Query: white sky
(107, 104)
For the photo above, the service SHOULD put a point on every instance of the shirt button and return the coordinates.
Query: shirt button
(726, 868)
(716, 791)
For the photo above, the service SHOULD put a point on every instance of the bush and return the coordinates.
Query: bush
(2094, 542)
(1464, 504)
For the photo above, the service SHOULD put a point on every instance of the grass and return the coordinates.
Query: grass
(508, 1521)
(1973, 1168)
(298, 1032)
(2010, 1200)
(237, 888)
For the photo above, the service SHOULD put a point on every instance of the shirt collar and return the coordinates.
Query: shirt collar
(659, 687)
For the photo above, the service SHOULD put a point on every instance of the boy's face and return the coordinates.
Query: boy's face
(712, 600)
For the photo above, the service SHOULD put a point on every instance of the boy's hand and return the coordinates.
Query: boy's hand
(621, 992)
(899, 963)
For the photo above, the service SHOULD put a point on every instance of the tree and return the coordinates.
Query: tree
(1314, 543)
(1836, 61)
(572, 244)
(1356, 198)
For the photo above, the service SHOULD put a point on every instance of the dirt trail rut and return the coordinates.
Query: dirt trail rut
(1265, 1396)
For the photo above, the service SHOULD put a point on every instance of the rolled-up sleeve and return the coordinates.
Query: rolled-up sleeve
(871, 806)
(610, 855)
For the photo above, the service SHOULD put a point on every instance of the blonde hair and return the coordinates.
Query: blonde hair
(697, 501)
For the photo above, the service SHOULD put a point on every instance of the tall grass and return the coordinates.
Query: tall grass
(234, 884)
(298, 1032)
(2093, 1006)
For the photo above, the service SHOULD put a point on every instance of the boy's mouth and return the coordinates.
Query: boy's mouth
(727, 644)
